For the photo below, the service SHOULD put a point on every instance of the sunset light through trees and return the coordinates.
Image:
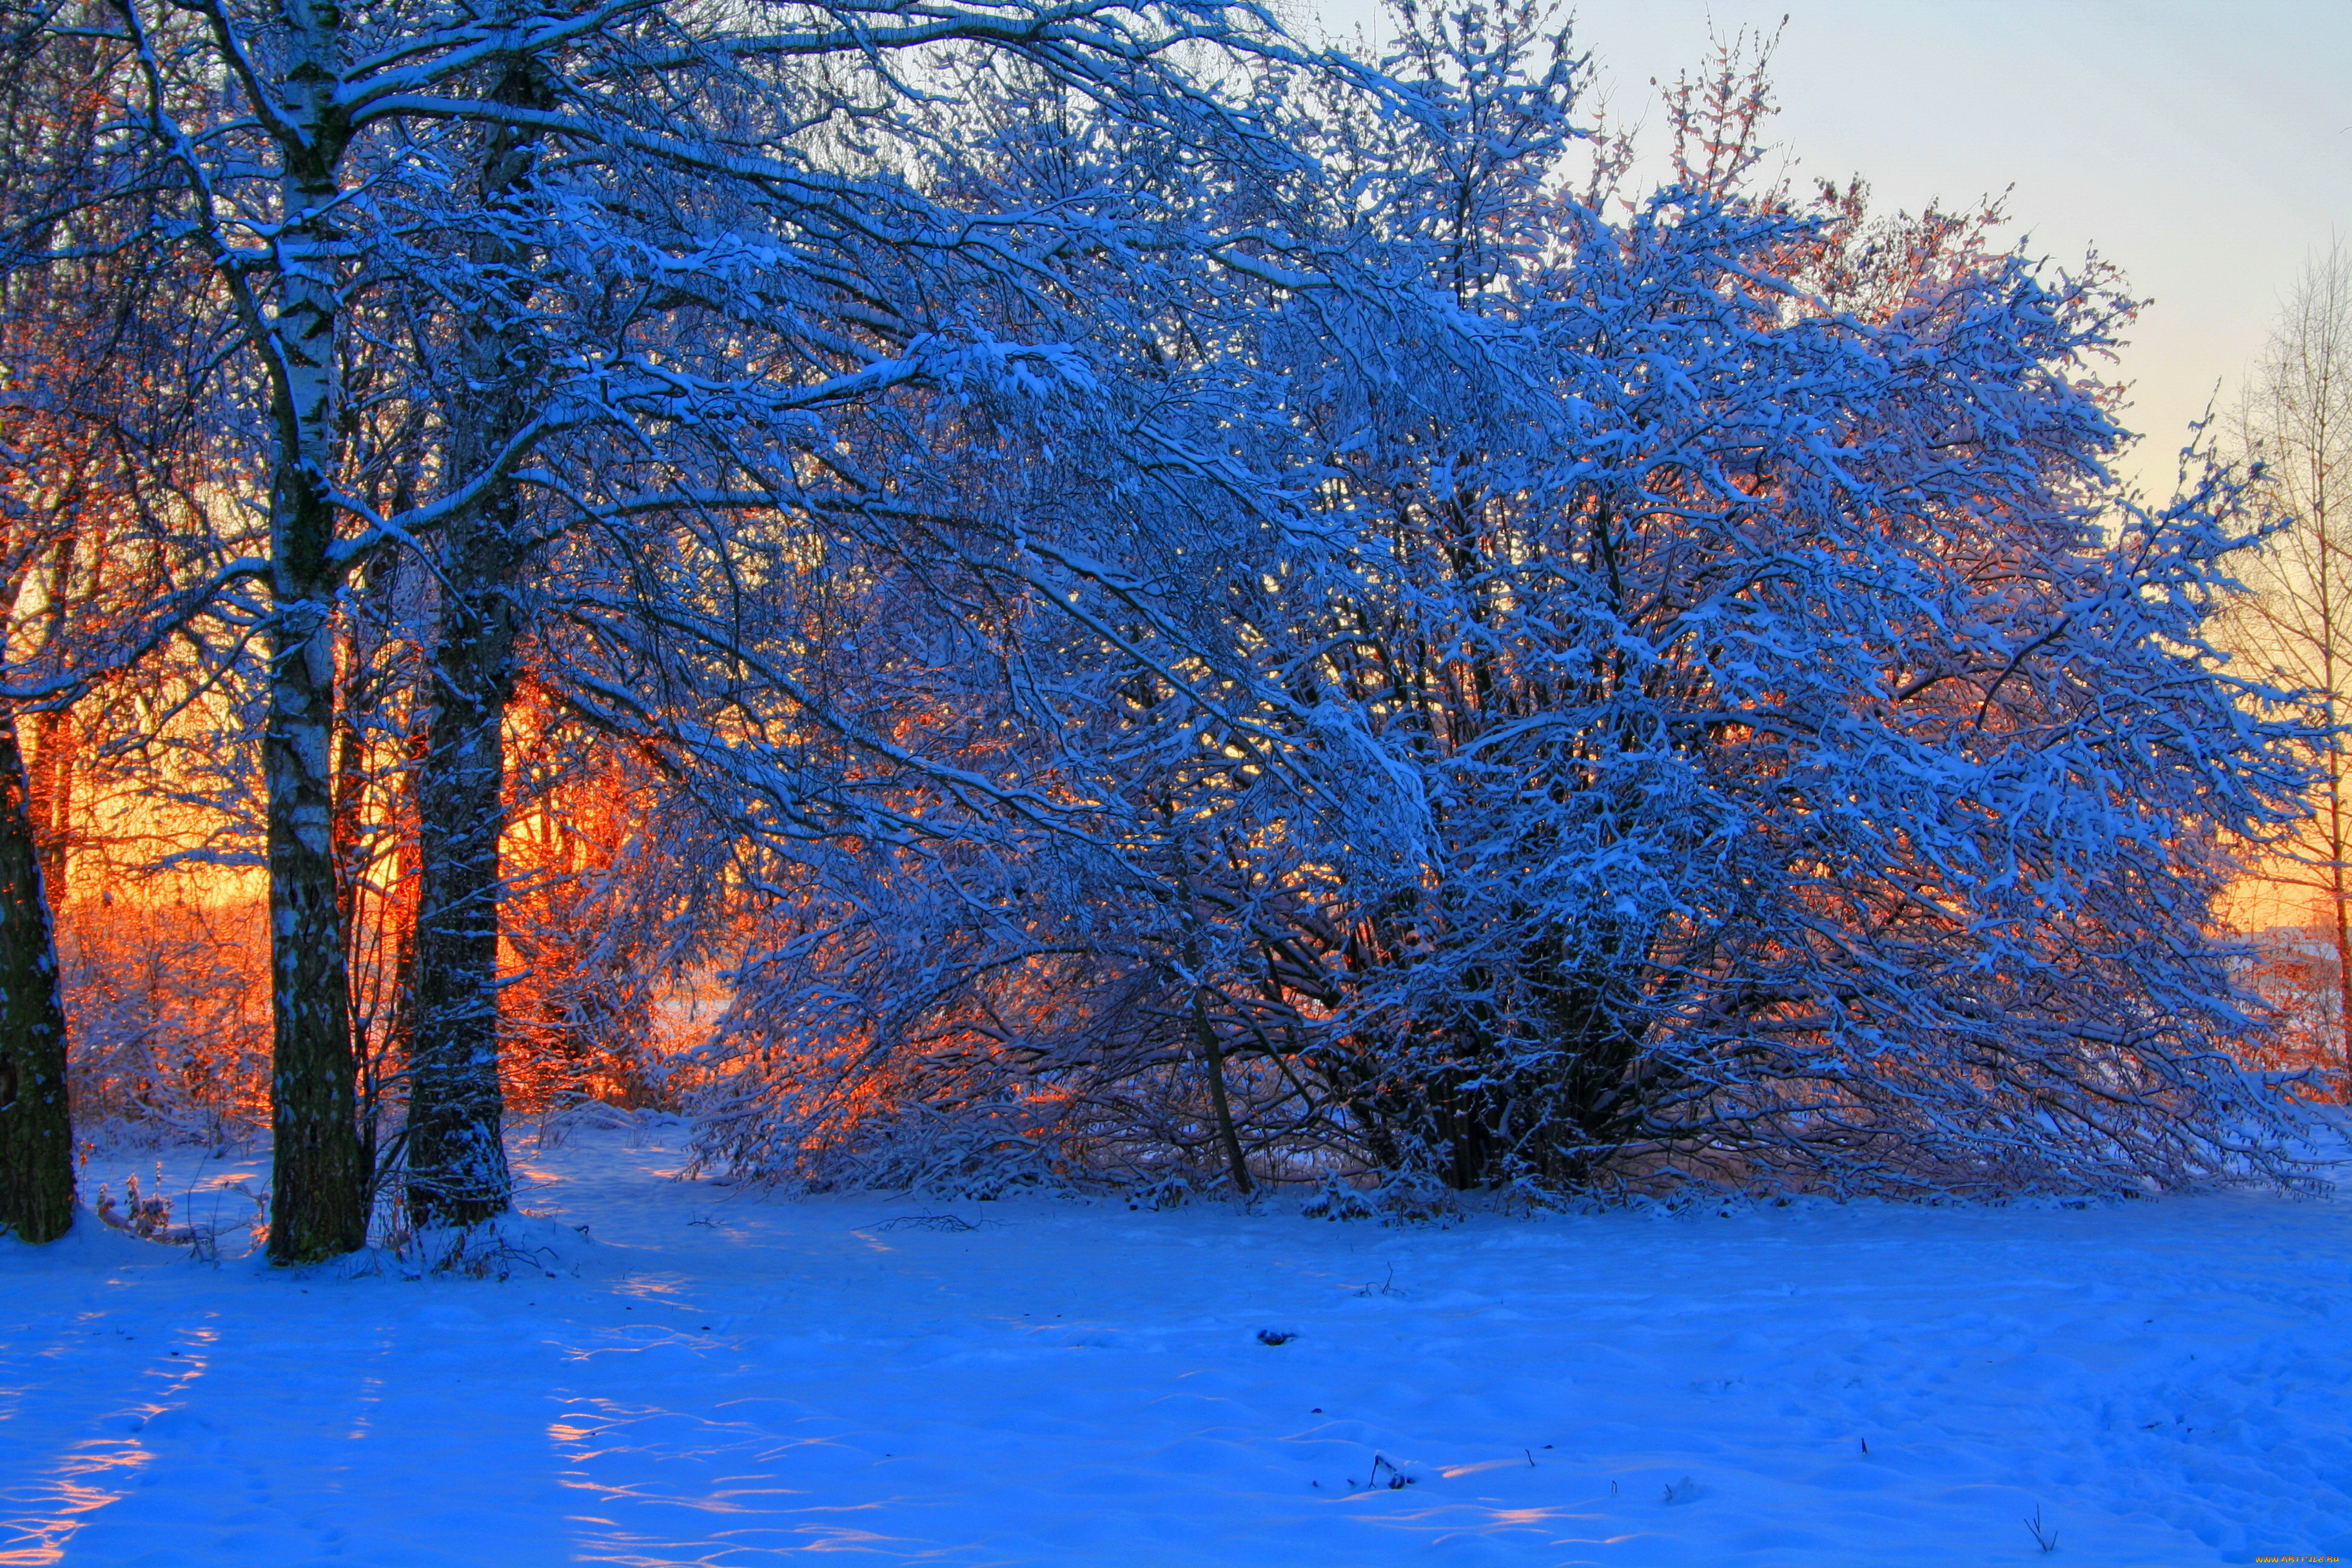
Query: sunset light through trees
(998, 599)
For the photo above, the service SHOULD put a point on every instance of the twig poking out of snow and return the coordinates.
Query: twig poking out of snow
(2043, 1536)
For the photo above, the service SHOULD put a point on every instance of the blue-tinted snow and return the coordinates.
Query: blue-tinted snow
(717, 1376)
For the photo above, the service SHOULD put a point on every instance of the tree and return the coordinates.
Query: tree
(37, 1181)
(44, 114)
(1718, 719)
(1196, 608)
(1827, 761)
(2293, 418)
(911, 704)
(474, 182)
(66, 475)
(105, 549)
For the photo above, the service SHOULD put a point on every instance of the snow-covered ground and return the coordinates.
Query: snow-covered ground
(717, 1376)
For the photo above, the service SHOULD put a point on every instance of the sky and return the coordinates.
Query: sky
(2204, 146)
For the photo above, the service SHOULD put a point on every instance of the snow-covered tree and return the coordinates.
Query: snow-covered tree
(104, 546)
(1178, 609)
(632, 259)
(1728, 721)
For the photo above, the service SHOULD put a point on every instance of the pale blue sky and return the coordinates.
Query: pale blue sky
(2204, 146)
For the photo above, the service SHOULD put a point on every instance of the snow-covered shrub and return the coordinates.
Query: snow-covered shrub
(826, 1084)
(1169, 1193)
(1408, 1197)
(167, 1013)
(1703, 711)
(1827, 774)
(1336, 1200)
(592, 1013)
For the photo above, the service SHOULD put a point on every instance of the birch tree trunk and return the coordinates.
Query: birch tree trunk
(2296, 417)
(319, 1189)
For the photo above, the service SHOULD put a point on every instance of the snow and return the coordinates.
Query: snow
(715, 1375)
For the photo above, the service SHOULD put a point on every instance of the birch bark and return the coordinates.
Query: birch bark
(318, 1189)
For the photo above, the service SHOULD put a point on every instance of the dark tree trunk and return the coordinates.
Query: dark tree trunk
(456, 1150)
(1213, 1055)
(456, 1154)
(36, 1176)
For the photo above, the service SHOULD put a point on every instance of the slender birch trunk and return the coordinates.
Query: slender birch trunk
(2296, 417)
(320, 1187)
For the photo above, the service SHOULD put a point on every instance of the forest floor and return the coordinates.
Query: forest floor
(676, 1372)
